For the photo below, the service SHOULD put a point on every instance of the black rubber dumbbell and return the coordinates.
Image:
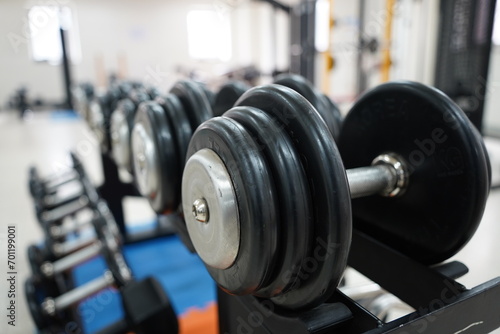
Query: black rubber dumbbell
(122, 120)
(409, 162)
(145, 303)
(161, 134)
(48, 310)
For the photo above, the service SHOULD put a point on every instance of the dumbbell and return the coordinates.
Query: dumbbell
(266, 196)
(118, 275)
(146, 306)
(83, 93)
(328, 110)
(160, 137)
(122, 121)
(44, 191)
(47, 272)
(101, 109)
(102, 220)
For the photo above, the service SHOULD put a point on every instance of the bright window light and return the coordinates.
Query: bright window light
(322, 26)
(209, 35)
(44, 23)
(496, 26)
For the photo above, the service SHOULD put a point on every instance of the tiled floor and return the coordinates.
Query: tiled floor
(44, 141)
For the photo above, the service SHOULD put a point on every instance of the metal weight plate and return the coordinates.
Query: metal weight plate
(194, 101)
(227, 96)
(122, 121)
(155, 154)
(182, 129)
(223, 145)
(448, 182)
(294, 204)
(326, 262)
(305, 88)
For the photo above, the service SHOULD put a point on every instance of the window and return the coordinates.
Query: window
(209, 35)
(45, 38)
(496, 25)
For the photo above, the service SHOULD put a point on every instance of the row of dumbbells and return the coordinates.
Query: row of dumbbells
(270, 191)
(78, 227)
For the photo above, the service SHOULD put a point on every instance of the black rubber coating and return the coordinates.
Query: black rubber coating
(181, 127)
(305, 88)
(34, 300)
(449, 178)
(257, 203)
(326, 262)
(194, 101)
(152, 115)
(35, 260)
(294, 204)
(227, 96)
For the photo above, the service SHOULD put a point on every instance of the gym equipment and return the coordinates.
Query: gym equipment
(118, 276)
(83, 93)
(446, 166)
(243, 218)
(121, 124)
(101, 109)
(146, 306)
(159, 140)
(161, 135)
(227, 96)
(328, 110)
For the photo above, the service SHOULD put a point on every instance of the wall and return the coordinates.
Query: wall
(148, 38)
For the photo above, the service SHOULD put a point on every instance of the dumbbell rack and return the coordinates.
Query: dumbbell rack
(442, 304)
(113, 191)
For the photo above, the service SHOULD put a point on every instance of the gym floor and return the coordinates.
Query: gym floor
(44, 139)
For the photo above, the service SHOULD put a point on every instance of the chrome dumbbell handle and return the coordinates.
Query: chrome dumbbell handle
(53, 305)
(50, 269)
(387, 176)
(66, 210)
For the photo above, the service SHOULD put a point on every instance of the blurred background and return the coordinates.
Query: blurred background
(343, 47)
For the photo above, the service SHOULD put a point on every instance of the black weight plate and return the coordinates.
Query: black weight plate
(329, 192)
(305, 88)
(294, 205)
(35, 259)
(256, 198)
(182, 129)
(208, 93)
(152, 115)
(34, 299)
(448, 183)
(227, 96)
(335, 112)
(194, 101)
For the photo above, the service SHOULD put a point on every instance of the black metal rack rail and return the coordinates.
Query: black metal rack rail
(442, 304)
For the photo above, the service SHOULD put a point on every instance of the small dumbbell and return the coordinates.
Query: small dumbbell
(161, 134)
(101, 108)
(122, 121)
(52, 308)
(83, 93)
(146, 306)
(258, 233)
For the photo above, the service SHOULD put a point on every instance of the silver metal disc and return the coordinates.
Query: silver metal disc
(145, 160)
(120, 138)
(96, 120)
(211, 209)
